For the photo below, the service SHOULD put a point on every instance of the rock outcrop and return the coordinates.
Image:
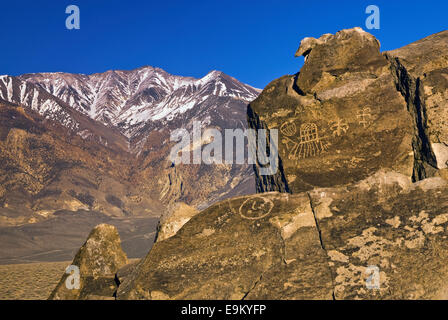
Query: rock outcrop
(324, 244)
(226, 250)
(45, 169)
(345, 116)
(421, 71)
(98, 261)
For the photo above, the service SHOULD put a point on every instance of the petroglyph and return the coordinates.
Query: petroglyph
(339, 127)
(288, 129)
(309, 143)
(365, 117)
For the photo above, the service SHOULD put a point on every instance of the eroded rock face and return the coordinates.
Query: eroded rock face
(98, 261)
(382, 238)
(390, 229)
(340, 119)
(422, 73)
(358, 213)
(330, 56)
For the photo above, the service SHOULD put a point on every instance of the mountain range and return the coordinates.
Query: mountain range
(122, 100)
(100, 143)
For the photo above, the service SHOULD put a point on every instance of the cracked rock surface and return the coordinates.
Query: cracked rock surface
(245, 248)
(324, 244)
(359, 206)
(352, 111)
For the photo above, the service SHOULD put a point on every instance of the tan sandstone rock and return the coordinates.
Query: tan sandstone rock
(382, 238)
(98, 261)
(340, 119)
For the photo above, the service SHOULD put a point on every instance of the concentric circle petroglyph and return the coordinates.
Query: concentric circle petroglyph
(256, 208)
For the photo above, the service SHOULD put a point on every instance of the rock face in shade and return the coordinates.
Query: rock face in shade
(98, 261)
(340, 119)
(383, 238)
(422, 72)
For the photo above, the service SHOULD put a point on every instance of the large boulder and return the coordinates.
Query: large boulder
(98, 260)
(229, 249)
(382, 238)
(340, 119)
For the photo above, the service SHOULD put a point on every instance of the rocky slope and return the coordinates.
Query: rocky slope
(358, 209)
(101, 142)
(45, 169)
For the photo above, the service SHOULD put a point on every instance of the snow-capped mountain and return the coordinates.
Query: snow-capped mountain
(135, 111)
(15, 90)
(124, 99)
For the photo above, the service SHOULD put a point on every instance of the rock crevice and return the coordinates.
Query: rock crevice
(425, 163)
(319, 231)
(266, 183)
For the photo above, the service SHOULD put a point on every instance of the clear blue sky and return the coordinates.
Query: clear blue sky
(254, 41)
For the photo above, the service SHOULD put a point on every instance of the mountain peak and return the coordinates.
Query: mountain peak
(214, 73)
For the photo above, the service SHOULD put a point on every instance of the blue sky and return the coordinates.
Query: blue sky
(254, 41)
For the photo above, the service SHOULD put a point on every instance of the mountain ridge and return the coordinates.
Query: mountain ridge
(123, 99)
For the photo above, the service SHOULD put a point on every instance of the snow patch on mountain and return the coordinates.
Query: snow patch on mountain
(126, 100)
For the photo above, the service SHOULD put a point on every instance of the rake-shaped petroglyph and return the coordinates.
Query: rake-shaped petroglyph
(309, 143)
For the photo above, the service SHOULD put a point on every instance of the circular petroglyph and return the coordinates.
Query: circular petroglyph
(288, 129)
(256, 208)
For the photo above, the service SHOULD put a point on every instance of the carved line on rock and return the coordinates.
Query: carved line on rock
(258, 205)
